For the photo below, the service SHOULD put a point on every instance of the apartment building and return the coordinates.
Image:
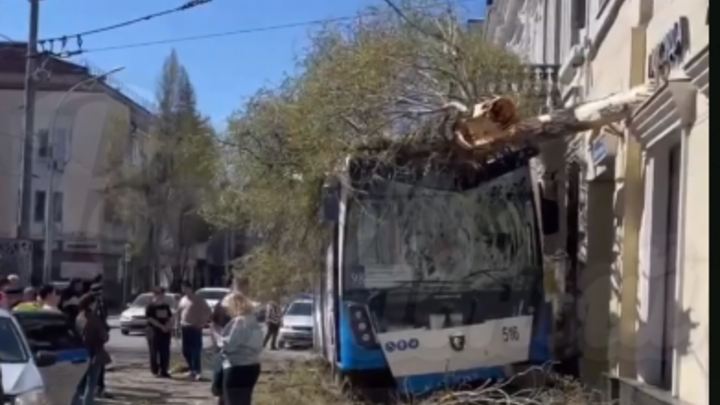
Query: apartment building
(85, 122)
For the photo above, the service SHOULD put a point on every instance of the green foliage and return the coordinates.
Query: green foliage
(381, 76)
(160, 199)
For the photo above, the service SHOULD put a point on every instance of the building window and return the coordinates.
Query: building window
(39, 206)
(43, 147)
(62, 145)
(135, 157)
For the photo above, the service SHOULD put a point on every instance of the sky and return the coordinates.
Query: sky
(225, 69)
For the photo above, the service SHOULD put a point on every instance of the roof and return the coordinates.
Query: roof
(13, 56)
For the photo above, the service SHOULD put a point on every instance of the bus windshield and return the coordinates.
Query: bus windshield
(438, 249)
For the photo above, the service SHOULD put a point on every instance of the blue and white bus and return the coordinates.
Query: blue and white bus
(434, 273)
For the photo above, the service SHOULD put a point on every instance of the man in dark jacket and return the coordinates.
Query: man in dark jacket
(95, 336)
(96, 289)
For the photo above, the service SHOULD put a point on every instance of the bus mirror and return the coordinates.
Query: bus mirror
(330, 205)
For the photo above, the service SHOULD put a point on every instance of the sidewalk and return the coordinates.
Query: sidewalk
(134, 385)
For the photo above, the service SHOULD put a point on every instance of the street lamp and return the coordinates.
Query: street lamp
(50, 187)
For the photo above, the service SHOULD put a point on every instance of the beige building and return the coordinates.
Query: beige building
(86, 122)
(635, 201)
(653, 237)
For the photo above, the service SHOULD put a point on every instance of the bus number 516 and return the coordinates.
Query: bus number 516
(510, 334)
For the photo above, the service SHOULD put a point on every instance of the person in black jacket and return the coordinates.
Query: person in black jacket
(95, 337)
(70, 299)
(96, 289)
(159, 333)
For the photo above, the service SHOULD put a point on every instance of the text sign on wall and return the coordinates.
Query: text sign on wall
(670, 51)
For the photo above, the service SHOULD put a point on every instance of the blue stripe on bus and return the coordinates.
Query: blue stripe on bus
(423, 383)
(72, 355)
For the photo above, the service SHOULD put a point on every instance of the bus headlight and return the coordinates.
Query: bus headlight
(360, 326)
(34, 397)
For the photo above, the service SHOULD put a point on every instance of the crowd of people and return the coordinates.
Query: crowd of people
(83, 304)
(237, 334)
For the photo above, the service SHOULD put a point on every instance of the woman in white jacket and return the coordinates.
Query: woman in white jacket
(240, 344)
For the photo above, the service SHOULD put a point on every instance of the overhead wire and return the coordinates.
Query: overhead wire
(79, 37)
(244, 31)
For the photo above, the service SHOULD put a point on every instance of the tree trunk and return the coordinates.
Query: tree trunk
(482, 131)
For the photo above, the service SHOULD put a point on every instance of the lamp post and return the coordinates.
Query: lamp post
(50, 187)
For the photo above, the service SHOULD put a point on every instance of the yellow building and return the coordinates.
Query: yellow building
(635, 206)
(658, 222)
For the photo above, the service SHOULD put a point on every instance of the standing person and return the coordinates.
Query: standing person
(220, 319)
(194, 313)
(240, 347)
(273, 321)
(14, 296)
(159, 333)
(70, 298)
(29, 300)
(4, 284)
(96, 289)
(95, 336)
(48, 297)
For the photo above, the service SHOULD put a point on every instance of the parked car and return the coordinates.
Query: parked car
(133, 318)
(42, 358)
(212, 295)
(297, 324)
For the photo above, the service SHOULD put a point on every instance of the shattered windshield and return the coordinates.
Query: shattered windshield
(481, 238)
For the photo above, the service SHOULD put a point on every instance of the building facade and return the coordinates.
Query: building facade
(635, 194)
(85, 123)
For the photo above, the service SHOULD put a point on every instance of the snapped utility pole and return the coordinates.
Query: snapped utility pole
(29, 123)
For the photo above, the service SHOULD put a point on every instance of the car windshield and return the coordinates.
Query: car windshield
(215, 295)
(144, 300)
(299, 309)
(12, 349)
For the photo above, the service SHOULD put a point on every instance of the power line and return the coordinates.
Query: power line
(245, 31)
(63, 40)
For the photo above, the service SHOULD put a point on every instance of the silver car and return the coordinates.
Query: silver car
(42, 358)
(297, 324)
(133, 318)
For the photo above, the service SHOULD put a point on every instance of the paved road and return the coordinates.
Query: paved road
(132, 349)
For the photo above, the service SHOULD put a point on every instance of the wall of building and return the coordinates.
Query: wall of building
(89, 122)
(681, 312)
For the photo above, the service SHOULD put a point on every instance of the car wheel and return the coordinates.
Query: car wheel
(281, 345)
(125, 332)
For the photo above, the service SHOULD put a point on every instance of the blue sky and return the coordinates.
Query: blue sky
(225, 70)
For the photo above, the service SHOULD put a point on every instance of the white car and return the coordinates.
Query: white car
(297, 324)
(133, 318)
(212, 295)
(42, 358)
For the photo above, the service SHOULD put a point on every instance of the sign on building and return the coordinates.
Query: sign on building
(670, 51)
